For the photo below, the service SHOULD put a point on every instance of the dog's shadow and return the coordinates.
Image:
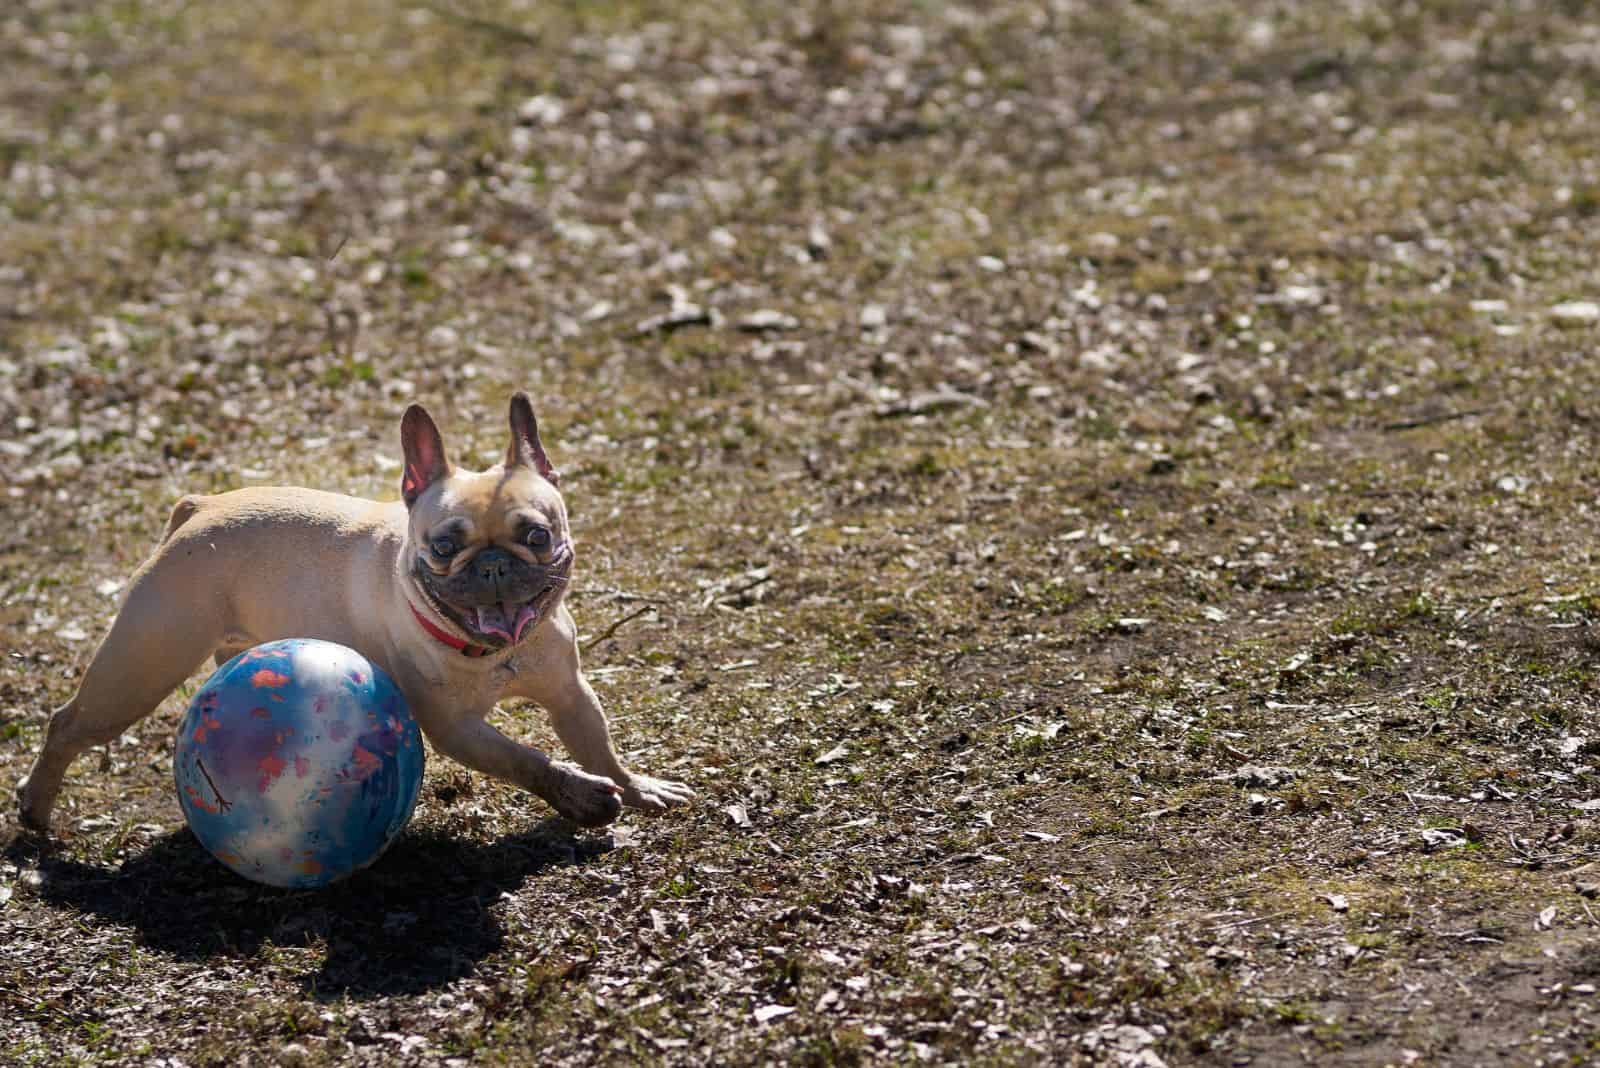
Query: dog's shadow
(420, 917)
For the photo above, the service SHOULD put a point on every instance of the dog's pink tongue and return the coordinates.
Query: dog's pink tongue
(493, 619)
(527, 615)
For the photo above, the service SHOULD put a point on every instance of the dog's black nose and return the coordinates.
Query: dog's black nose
(493, 565)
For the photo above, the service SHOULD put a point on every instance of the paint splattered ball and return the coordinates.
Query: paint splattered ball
(298, 763)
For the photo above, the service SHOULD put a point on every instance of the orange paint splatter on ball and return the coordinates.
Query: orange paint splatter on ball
(208, 723)
(200, 802)
(268, 677)
(271, 766)
(310, 867)
(261, 713)
(364, 763)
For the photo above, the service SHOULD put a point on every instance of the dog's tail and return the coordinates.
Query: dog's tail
(182, 512)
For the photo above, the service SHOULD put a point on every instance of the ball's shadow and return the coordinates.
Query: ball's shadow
(419, 918)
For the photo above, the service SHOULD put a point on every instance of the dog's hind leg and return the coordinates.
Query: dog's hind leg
(164, 631)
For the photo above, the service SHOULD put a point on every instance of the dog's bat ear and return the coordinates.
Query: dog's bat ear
(424, 449)
(525, 450)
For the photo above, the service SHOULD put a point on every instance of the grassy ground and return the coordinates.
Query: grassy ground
(1134, 602)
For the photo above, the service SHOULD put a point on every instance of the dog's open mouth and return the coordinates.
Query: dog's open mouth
(499, 624)
(508, 620)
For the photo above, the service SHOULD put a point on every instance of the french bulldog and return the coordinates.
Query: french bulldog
(456, 590)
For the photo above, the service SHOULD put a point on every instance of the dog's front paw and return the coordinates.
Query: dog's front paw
(653, 795)
(587, 800)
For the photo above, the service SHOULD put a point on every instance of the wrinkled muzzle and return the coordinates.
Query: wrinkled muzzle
(500, 596)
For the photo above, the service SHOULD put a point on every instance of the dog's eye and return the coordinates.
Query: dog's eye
(444, 548)
(539, 538)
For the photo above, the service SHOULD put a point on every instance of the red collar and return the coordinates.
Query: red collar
(464, 648)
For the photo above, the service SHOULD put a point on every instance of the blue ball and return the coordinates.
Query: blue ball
(298, 763)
